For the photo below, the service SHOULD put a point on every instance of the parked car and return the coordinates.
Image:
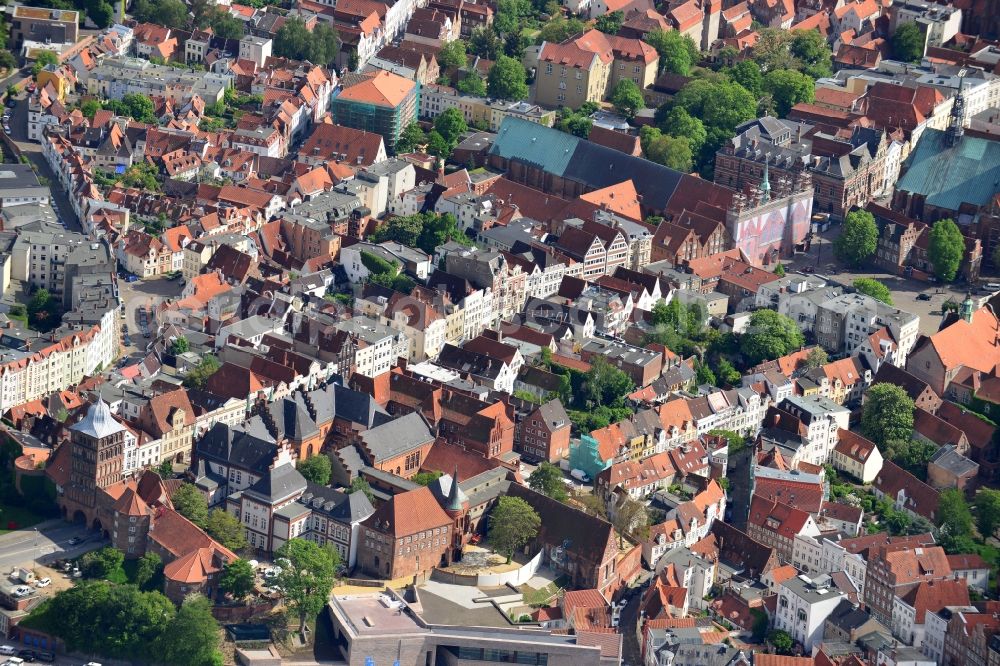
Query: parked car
(27, 655)
(47, 657)
(8, 650)
(131, 278)
(43, 582)
(923, 297)
(75, 540)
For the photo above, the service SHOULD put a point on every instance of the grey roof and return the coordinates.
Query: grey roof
(277, 484)
(949, 459)
(396, 437)
(553, 413)
(340, 506)
(98, 423)
(235, 447)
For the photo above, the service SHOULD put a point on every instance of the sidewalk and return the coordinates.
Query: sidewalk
(21, 533)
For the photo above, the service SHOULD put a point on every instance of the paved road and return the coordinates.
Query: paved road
(904, 291)
(44, 543)
(144, 294)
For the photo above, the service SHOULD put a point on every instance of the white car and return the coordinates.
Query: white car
(8, 650)
(22, 591)
(43, 582)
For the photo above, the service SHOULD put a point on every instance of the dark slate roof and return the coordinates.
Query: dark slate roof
(340, 506)
(397, 436)
(278, 484)
(236, 448)
(292, 418)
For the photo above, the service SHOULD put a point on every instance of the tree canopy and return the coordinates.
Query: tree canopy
(769, 335)
(873, 288)
(507, 79)
(238, 579)
(191, 503)
(673, 152)
(426, 231)
(788, 87)
(512, 525)
(945, 249)
(294, 40)
(627, 98)
(548, 480)
(858, 239)
(316, 469)
(611, 22)
(225, 528)
(908, 42)
(678, 52)
(306, 577)
(887, 414)
(452, 54)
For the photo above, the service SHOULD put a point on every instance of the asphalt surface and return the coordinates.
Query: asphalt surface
(44, 543)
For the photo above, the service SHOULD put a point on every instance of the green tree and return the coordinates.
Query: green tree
(410, 138)
(472, 84)
(771, 51)
(604, 384)
(452, 54)
(910, 454)
(627, 98)
(678, 53)
(558, 30)
(548, 480)
(101, 13)
(781, 641)
(788, 88)
(425, 478)
(779, 271)
(102, 563)
(485, 43)
(451, 125)
(512, 525)
(727, 373)
(198, 376)
(44, 311)
(721, 106)
(908, 42)
(858, 239)
(165, 469)
(225, 528)
(42, 60)
(307, 577)
(192, 637)
(816, 358)
(987, 503)
(89, 107)
(664, 149)
(887, 414)
(769, 335)
(873, 288)
(238, 579)
(316, 469)
(945, 248)
(227, 26)
(680, 123)
(953, 515)
(147, 568)
(747, 73)
(810, 48)
(630, 517)
(704, 374)
(7, 60)
(179, 345)
(190, 503)
(360, 484)
(610, 23)
(507, 79)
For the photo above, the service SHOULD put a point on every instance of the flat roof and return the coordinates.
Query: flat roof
(370, 617)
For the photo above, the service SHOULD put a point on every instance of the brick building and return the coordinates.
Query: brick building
(407, 535)
(542, 432)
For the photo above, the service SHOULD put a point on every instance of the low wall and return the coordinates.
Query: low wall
(516, 577)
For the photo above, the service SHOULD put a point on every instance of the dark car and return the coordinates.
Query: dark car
(27, 655)
(47, 657)
(75, 540)
(924, 297)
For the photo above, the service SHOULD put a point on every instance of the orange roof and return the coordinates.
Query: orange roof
(760, 659)
(194, 567)
(621, 198)
(381, 89)
(973, 344)
(410, 512)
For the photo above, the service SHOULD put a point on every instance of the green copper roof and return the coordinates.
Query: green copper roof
(969, 172)
(548, 149)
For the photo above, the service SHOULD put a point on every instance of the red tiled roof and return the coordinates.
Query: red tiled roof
(408, 513)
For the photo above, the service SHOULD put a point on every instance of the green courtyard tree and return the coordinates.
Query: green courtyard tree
(44, 59)
(190, 503)
(451, 125)
(604, 384)
(610, 23)
(816, 358)
(945, 248)
(908, 42)
(810, 49)
(410, 138)
(147, 568)
(781, 641)
(192, 637)
(306, 577)
(747, 73)
(179, 345)
(238, 579)
(452, 54)
(769, 335)
(198, 376)
(548, 480)
(512, 525)
(873, 288)
(788, 88)
(779, 271)
(627, 98)
(858, 239)
(678, 53)
(887, 414)
(673, 152)
(910, 454)
(472, 84)
(225, 528)
(953, 515)
(316, 469)
(987, 503)
(101, 563)
(360, 485)
(507, 79)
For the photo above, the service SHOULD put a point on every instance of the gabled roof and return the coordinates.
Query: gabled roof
(408, 513)
(380, 89)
